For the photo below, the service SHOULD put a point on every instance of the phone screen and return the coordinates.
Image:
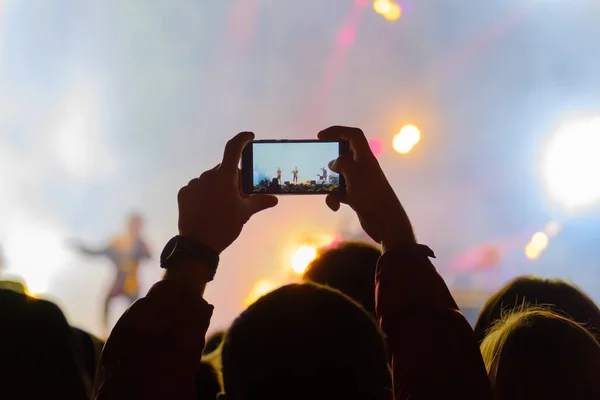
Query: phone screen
(292, 167)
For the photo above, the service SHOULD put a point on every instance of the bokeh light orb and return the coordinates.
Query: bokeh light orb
(394, 13)
(376, 145)
(302, 257)
(571, 165)
(536, 246)
(552, 228)
(382, 7)
(540, 240)
(532, 253)
(388, 9)
(406, 139)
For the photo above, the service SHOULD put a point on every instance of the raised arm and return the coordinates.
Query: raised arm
(154, 350)
(434, 353)
(83, 249)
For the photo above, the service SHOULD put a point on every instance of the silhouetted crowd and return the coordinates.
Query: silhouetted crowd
(367, 322)
(275, 187)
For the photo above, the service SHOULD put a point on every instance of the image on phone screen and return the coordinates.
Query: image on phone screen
(294, 167)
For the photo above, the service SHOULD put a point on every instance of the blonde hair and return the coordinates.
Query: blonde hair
(537, 353)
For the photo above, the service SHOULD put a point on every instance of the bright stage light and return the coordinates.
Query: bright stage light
(406, 139)
(394, 13)
(388, 9)
(302, 258)
(382, 7)
(259, 289)
(532, 253)
(539, 240)
(571, 165)
(538, 243)
(35, 253)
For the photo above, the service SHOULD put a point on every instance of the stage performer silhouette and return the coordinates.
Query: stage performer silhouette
(126, 252)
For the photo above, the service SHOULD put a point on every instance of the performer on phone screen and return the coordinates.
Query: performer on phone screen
(279, 175)
(295, 175)
(126, 252)
(324, 176)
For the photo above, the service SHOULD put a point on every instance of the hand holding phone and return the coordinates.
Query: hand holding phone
(292, 167)
(368, 193)
(212, 208)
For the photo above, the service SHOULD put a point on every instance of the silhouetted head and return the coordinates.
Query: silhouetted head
(40, 358)
(207, 382)
(349, 268)
(305, 341)
(90, 348)
(135, 224)
(539, 354)
(562, 296)
(14, 284)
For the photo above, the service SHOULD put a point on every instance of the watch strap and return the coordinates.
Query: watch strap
(187, 248)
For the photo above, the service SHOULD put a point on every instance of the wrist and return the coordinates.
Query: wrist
(190, 257)
(398, 235)
(204, 239)
(191, 274)
(390, 242)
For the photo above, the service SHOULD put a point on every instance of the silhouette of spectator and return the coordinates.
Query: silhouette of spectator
(274, 186)
(539, 354)
(39, 357)
(90, 348)
(295, 343)
(153, 351)
(349, 268)
(207, 382)
(15, 285)
(562, 296)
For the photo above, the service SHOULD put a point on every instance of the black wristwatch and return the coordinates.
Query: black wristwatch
(182, 248)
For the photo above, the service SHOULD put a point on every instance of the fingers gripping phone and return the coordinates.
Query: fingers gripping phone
(292, 167)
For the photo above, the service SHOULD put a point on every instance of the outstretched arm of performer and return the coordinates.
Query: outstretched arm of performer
(83, 249)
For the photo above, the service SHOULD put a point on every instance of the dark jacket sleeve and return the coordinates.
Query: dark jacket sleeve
(154, 350)
(434, 353)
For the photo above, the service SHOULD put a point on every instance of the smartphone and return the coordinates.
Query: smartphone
(292, 167)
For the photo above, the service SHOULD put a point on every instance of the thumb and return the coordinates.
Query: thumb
(259, 202)
(344, 164)
(334, 200)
